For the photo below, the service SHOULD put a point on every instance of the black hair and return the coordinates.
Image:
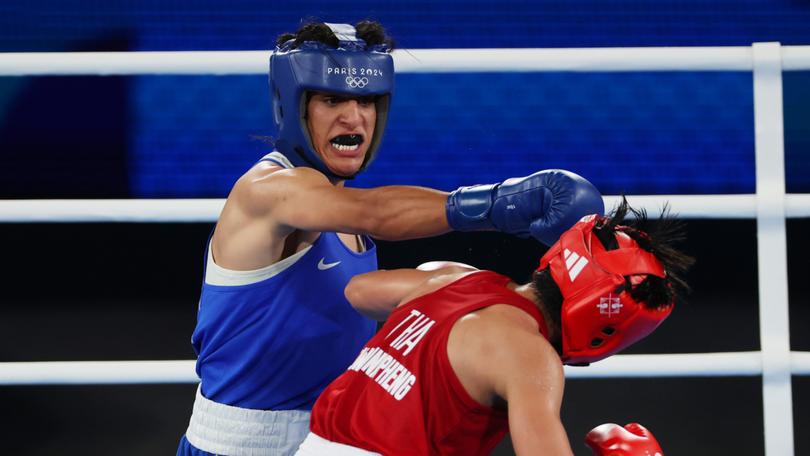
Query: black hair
(655, 236)
(548, 293)
(371, 32)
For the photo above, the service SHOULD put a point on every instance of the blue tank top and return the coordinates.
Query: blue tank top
(276, 344)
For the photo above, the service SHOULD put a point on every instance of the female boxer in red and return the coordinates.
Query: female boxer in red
(467, 355)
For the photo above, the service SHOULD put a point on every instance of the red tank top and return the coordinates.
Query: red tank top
(401, 396)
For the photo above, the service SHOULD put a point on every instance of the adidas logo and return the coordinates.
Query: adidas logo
(574, 263)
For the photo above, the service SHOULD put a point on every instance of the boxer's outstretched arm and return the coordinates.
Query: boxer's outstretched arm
(269, 203)
(542, 205)
(376, 294)
(304, 199)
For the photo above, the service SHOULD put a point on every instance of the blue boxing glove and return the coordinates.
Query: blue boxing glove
(543, 205)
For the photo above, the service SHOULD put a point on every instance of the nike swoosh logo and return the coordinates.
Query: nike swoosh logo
(324, 266)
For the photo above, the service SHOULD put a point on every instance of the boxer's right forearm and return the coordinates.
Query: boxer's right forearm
(389, 213)
(404, 212)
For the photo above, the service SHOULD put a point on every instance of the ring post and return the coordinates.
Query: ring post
(772, 249)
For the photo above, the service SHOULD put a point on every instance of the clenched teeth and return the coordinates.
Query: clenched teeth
(346, 140)
(345, 148)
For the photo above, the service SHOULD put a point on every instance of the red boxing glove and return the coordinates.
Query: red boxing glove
(613, 440)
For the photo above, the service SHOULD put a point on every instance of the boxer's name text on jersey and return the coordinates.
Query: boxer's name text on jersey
(386, 371)
(383, 368)
(419, 325)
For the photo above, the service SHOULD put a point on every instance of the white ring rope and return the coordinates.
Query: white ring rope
(733, 364)
(728, 364)
(718, 58)
(97, 372)
(111, 210)
(797, 205)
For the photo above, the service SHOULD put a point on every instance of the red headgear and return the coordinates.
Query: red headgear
(598, 316)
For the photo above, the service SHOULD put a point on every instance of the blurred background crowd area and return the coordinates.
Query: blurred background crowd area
(191, 136)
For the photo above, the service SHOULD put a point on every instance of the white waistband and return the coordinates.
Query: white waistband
(225, 429)
(315, 445)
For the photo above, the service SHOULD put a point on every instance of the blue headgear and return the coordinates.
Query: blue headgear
(352, 69)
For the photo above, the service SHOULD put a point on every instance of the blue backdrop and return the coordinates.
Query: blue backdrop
(192, 136)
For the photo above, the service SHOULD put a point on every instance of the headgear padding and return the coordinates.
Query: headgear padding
(599, 317)
(353, 69)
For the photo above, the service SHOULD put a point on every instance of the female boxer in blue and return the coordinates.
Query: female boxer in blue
(273, 326)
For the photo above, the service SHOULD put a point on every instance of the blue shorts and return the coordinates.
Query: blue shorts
(187, 449)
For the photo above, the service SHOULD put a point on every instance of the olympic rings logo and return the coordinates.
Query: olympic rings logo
(356, 82)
